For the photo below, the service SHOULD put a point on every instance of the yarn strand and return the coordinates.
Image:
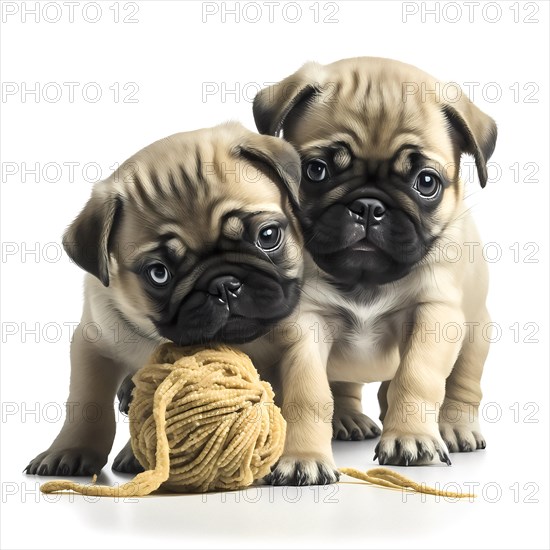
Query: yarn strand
(199, 423)
(384, 477)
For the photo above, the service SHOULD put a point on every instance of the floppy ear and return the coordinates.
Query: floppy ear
(273, 104)
(474, 131)
(282, 161)
(87, 240)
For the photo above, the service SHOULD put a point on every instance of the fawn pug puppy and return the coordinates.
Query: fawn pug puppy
(193, 241)
(380, 198)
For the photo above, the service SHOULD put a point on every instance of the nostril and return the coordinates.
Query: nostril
(357, 208)
(233, 288)
(224, 286)
(367, 209)
(378, 212)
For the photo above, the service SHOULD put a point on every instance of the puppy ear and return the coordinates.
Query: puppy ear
(281, 159)
(87, 240)
(273, 104)
(476, 133)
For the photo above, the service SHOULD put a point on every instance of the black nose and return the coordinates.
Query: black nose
(225, 287)
(370, 210)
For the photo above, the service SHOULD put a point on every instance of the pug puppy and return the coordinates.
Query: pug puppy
(381, 203)
(192, 241)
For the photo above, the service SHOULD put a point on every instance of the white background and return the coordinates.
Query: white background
(173, 56)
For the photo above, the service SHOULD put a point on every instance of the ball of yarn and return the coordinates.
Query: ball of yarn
(200, 420)
(218, 419)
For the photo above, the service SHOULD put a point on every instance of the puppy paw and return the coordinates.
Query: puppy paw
(303, 471)
(126, 462)
(124, 394)
(353, 425)
(410, 449)
(461, 437)
(67, 462)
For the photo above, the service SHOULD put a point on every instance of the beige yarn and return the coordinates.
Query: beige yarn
(388, 478)
(198, 423)
(202, 420)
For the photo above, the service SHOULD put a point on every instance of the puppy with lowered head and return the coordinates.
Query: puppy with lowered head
(381, 201)
(193, 241)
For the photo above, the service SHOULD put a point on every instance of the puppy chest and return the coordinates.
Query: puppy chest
(366, 346)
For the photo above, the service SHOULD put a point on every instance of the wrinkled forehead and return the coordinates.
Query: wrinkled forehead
(375, 117)
(191, 203)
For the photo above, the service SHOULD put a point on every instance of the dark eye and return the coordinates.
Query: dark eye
(316, 170)
(269, 237)
(158, 274)
(427, 184)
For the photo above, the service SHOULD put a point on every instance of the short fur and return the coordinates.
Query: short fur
(194, 202)
(376, 280)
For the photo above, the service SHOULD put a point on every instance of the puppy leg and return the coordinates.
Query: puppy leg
(126, 462)
(458, 419)
(124, 394)
(83, 445)
(348, 421)
(411, 432)
(383, 399)
(307, 406)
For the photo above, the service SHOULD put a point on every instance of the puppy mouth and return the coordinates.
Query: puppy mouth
(231, 308)
(363, 245)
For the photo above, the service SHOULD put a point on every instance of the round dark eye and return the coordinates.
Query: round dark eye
(270, 237)
(316, 170)
(158, 274)
(427, 184)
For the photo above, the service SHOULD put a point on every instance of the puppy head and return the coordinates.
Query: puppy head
(380, 145)
(195, 236)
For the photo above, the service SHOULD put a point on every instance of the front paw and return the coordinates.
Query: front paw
(353, 425)
(126, 462)
(462, 437)
(402, 449)
(67, 462)
(303, 471)
(124, 394)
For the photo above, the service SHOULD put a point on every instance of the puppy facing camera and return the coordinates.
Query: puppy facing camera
(381, 194)
(193, 240)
